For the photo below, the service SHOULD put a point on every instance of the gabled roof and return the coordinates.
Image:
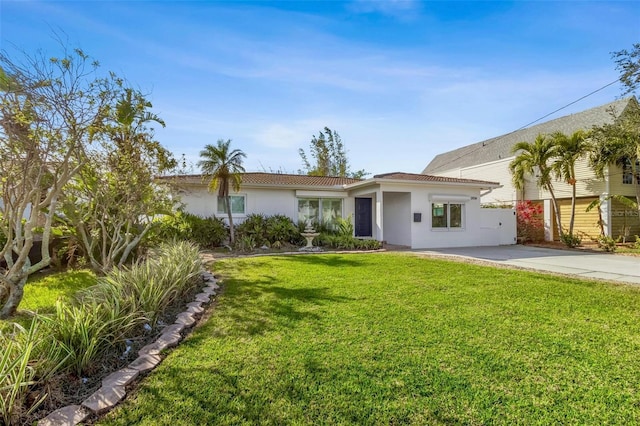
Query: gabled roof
(500, 147)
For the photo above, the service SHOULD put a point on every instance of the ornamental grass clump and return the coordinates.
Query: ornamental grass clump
(105, 315)
(181, 264)
(161, 280)
(27, 356)
(87, 328)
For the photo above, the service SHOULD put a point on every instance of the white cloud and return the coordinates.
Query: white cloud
(279, 136)
(400, 9)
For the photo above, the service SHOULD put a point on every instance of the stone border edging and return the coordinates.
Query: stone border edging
(113, 389)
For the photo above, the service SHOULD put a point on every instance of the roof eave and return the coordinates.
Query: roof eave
(481, 185)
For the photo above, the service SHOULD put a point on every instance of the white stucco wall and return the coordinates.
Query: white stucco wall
(397, 217)
(271, 202)
(481, 227)
(424, 236)
(393, 208)
(267, 201)
(198, 201)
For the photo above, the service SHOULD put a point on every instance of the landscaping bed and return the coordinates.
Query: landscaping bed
(61, 355)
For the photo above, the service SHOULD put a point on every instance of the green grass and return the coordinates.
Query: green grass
(396, 339)
(42, 291)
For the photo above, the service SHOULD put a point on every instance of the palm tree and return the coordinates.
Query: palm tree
(535, 159)
(568, 150)
(619, 143)
(223, 167)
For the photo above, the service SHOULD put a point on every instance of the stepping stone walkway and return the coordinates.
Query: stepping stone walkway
(113, 388)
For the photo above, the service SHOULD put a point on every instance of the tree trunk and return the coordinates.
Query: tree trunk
(573, 207)
(556, 211)
(232, 236)
(15, 294)
(600, 220)
(637, 187)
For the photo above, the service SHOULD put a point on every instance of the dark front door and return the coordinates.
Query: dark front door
(363, 225)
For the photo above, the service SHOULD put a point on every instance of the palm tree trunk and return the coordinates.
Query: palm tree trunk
(573, 208)
(556, 210)
(232, 237)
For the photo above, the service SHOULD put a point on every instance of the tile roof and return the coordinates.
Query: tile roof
(280, 179)
(500, 147)
(329, 182)
(430, 178)
(284, 179)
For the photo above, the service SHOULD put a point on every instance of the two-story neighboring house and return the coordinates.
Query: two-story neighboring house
(489, 160)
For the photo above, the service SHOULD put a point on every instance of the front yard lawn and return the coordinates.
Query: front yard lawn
(43, 289)
(390, 338)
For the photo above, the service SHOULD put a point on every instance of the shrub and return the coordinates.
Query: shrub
(246, 243)
(258, 230)
(370, 245)
(570, 240)
(341, 237)
(636, 244)
(344, 242)
(345, 227)
(280, 230)
(254, 229)
(206, 232)
(607, 243)
(530, 224)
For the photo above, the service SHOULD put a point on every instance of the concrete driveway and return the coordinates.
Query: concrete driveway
(610, 267)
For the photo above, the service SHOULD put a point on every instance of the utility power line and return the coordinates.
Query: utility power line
(528, 124)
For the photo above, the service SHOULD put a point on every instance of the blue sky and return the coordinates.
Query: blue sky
(401, 81)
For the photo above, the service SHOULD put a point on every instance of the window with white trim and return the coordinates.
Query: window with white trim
(237, 203)
(320, 210)
(628, 171)
(447, 215)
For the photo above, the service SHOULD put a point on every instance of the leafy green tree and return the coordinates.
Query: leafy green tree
(329, 156)
(111, 203)
(222, 166)
(536, 159)
(618, 143)
(628, 63)
(569, 149)
(51, 109)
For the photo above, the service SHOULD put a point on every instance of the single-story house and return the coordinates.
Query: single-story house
(413, 210)
(489, 159)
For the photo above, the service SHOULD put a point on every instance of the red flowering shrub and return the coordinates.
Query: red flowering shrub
(529, 221)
